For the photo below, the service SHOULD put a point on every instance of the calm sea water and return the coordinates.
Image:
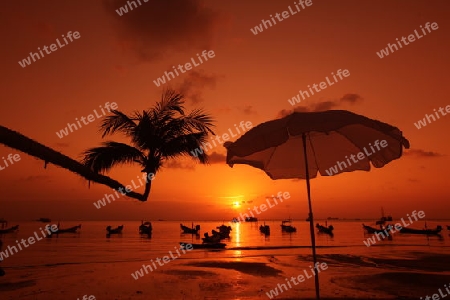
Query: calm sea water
(92, 246)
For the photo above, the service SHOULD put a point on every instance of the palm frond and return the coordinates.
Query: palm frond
(188, 144)
(200, 121)
(101, 159)
(171, 102)
(118, 121)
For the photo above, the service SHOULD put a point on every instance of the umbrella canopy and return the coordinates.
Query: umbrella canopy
(302, 144)
(276, 146)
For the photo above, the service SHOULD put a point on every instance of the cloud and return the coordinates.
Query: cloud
(326, 105)
(249, 110)
(179, 164)
(156, 28)
(193, 84)
(285, 112)
(422, 153)
(217, 158)
(323, 106)
(351, 98)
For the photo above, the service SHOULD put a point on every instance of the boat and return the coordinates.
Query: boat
(9, 230)
(44, 220)
(73, 229)
(214, 239)
(251, 219)
(235, 220)
(192, 230)
(224, 231)
(117, 230)
(287, 228)
(422, 231)
(324, 229)
(372, 230)
(265, 229)
(383, 219)
(204, 246)
(145, 228)
(3, 223)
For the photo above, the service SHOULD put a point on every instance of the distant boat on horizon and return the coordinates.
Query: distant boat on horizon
(44, 220)
(383, 219)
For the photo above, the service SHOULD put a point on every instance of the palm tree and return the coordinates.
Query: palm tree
(156, 135)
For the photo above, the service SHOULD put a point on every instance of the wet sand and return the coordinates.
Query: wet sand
(347, 277)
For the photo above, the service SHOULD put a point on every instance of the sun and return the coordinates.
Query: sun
(236, 204)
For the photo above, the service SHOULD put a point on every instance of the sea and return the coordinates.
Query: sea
(92, 246)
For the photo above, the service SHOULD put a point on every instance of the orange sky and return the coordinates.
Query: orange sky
(250, 78)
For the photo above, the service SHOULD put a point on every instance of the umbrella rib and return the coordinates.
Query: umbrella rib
(314, 151)
(270, 157)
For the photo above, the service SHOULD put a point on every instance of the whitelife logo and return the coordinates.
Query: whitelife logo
(203, 148)
(334, 170)
(31, 240)
(263, 207)
(162, 80)
(411, 38)
(11, 158)
(90, 118)
(110, 197)
(319, 87)
(124, 9)
(318, 266)
(429, 118)
(397, 226)
(166, 259)
(285, 14)
(27, 61)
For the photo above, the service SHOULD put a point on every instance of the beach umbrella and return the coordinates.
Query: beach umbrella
(302, 144)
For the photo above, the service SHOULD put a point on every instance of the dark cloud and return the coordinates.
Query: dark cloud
(326, 105)
(351, 98)
(194, 83)
(249, 110)
(422, 153)
(216, 158)
(285, 112)
(323, 106)
(156, 28)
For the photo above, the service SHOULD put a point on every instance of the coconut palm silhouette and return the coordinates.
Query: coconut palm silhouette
(160, 133)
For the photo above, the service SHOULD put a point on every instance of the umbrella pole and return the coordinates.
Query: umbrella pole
(311, 221)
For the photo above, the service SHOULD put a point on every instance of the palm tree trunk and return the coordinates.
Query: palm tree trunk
(148, 186)
(22, 143)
